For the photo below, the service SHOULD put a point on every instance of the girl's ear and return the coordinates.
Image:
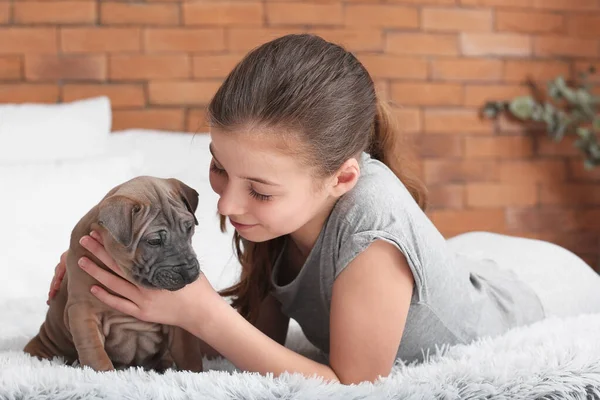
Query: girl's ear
(345, 178)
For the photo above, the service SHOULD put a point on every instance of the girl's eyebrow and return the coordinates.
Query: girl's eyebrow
(259, 180)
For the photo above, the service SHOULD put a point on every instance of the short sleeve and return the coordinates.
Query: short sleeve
(358, 242)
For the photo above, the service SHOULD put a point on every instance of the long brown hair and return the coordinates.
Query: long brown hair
(304, 86)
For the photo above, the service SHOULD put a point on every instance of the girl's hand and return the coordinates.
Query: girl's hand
(59, 274)
(152, 305)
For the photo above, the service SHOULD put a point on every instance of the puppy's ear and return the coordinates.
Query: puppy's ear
(116, 214)
(188, 195)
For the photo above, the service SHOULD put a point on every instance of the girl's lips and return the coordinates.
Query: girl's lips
(239, 226)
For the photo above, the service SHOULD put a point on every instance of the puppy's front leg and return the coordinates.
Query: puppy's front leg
(185, 350)
(88, 337)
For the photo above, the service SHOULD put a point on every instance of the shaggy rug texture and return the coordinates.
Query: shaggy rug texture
(552, 359)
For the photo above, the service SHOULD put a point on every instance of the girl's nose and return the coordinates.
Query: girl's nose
(230, 203)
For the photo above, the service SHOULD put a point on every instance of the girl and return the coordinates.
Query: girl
(329, 230)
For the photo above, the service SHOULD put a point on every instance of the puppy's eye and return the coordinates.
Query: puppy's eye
(154, 242)
(189, 226)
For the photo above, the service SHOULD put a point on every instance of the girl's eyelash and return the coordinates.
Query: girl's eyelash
(258, 196)
(253, 193)
(213, 168)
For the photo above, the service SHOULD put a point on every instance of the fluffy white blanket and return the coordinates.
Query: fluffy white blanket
(552, 359)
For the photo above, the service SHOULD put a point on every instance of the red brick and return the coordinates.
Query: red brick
(529, 22)
(501, 195)
(578, 172)
(508, 124)
(584, 66)
(533, 171)
(27, 40)
(540, 220)
(422, 44)
(245, 39)
(446, 196)
(495, 44)
(570, 194)
(117, 13)
(389, 66)
(362, 39)
(458, 171)
(524, 70)
(149, 66)
(149, 118)
(120, 95)
(478, 95)
(501, 147)
(55, 12)
(498, 3)
(452, 222)
(5, 12)
(466, 69)
(182, 92)
(382, 16)
(67, 67)
(223, 13)
(409, 119)
(215, 66)
(417, 2)
(584, 25)
(589, 219)
(456, 19)
(100, 40)
(196, 121)
(452, 121)
(10, 67)
(548, 147)
(566, 5)
(441, 146)
(565, 46)
(177, 40)
(304, 14)
(427, 94)
(28, 93)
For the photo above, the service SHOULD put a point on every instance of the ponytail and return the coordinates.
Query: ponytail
(385, 147)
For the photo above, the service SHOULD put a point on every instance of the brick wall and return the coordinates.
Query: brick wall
(160, 62)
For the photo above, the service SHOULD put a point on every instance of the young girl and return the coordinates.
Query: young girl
(329, 230)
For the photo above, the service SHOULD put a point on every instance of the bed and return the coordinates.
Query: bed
(57, 161)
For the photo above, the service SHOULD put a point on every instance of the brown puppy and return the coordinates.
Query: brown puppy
(146, 225)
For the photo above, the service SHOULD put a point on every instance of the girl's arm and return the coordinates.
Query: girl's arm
(271, 321)
(369, 306)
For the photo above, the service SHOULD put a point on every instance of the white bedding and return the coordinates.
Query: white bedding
(40, 202)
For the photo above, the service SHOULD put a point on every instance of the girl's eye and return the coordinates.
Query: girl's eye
(258, 196)
(215, 169)
(154, 242)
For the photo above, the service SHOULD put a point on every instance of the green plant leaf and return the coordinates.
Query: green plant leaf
(522, 107)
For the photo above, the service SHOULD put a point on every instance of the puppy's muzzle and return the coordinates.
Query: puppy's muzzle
(175, 277)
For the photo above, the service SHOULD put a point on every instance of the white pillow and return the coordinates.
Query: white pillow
(50, 132)
(39, 207)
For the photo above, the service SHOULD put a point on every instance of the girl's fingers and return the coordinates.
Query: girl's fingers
(111, 281)
(97, 236)
(123, 305)
(97, 249)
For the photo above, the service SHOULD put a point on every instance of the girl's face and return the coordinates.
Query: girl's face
(264, 192)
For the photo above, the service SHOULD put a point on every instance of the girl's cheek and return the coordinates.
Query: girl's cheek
(216, 183)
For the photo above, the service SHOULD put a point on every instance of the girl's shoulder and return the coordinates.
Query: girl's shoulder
(378, 194)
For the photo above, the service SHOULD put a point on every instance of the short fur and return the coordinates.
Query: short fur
(131, 219)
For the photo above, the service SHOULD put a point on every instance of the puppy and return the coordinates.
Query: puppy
(146, 225)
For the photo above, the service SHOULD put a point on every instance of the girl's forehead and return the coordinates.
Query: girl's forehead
(262, 153)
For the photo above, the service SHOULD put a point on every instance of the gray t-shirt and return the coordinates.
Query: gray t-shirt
(456, 299)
